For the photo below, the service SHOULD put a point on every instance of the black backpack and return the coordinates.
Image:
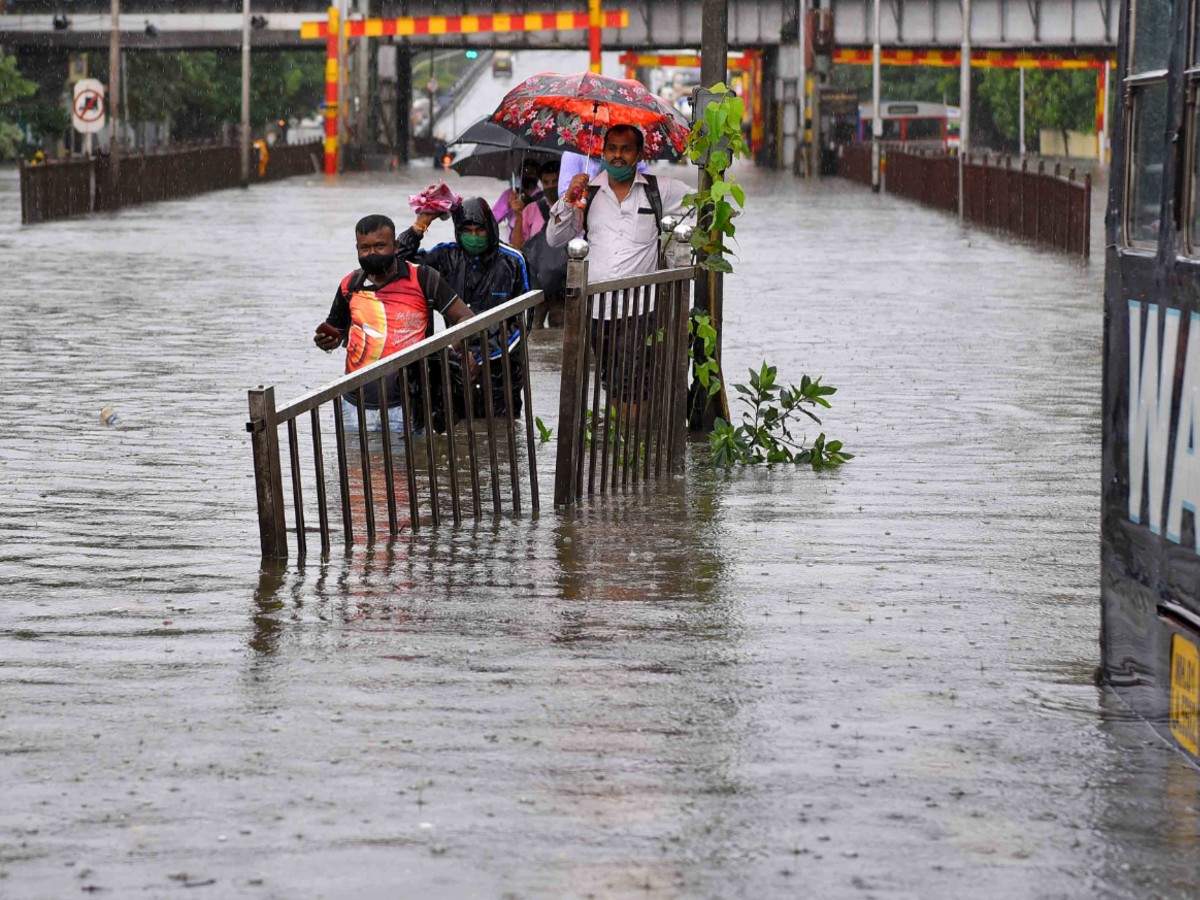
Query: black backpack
(652, 195)
(547, 265)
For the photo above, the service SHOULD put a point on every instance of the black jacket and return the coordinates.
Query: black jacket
(485, 281)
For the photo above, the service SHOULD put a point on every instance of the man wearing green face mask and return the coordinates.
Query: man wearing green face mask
(483, 271)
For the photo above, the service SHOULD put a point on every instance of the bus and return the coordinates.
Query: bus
(1150, 527)
(932, 125)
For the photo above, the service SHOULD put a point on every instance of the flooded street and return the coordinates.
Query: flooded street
(876, 682)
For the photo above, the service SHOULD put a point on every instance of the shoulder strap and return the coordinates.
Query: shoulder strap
(544, 206)
(593, 190)
(655, 198)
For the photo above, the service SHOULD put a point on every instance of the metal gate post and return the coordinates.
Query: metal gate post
(575, 324)
(268, 479)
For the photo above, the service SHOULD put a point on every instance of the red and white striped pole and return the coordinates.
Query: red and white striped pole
(595, 20)
(331, 93)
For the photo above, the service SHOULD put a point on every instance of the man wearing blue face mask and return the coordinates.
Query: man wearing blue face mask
(621, 214)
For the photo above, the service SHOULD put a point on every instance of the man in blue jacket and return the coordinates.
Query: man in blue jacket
(485, 273)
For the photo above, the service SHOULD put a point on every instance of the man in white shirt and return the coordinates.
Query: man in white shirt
(620, 222)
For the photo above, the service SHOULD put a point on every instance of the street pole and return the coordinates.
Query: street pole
(114, 97)
(1021, 113)
(876, 110)
(595, 20)
(964, 102)
(714, 61)
(802, 93)
(245, 131)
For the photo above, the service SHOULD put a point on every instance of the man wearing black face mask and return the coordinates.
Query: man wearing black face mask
(383, 307)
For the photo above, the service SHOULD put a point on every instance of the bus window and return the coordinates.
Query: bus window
(1148, 145)
(924, 129)
(1151, 35)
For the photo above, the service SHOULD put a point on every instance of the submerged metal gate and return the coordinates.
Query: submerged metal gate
(622, 417)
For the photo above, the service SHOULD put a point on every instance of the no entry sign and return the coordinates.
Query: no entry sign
(87, 106)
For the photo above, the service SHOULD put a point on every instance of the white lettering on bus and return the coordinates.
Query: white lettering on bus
(1151, 386)
(1185, 475)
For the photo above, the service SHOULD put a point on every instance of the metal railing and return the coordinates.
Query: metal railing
(1048, 207)
(407, 374)
(623, 397)
(59, 189)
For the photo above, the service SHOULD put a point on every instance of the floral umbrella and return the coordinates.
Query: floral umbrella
(572, 112)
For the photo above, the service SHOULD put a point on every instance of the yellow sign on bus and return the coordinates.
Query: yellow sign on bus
(1185, 693)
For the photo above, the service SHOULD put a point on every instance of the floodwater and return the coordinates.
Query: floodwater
(876, 682)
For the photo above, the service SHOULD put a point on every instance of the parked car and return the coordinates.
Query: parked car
(502, 64)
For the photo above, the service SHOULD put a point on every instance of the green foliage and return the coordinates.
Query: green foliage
(766, 433)
(1060, 99)
(714, 144)
(705, 368)
(545, 433)
(13, 87)
(1063, 100)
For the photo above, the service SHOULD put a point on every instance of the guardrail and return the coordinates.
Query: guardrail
(59, 189)
(1051, 208)
(405, 375)
(626, 339)
(622, 414)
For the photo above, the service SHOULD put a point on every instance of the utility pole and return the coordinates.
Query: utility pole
(245, 130)
(876, 108)
(802, 92)
(964, 102)
(709, 299)
(964, 106)
(114, 96)
(1021, 113)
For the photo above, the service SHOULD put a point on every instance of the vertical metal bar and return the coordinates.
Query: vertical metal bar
(645, 357)
(297, 493)
(469, 408)
(509, 426)
(666, 380)
(621, 445)
(580, 429)
(410, 466)
(452, 446)
(655, 365)
(488, 408)
(612, 394)
(534, 503)
(339, 430)
(319, 465)
(434, 512)
(680, 379)
(634, 401)
(389, 478)
(595, 356)
(268, 481)
(364, 453)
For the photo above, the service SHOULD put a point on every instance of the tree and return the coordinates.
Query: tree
(1063, 100)
(13, 87)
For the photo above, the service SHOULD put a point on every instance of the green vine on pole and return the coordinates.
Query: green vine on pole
(714, 143)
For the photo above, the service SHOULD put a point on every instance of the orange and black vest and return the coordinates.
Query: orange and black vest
(384, 320)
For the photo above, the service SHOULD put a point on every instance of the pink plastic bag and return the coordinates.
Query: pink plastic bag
(438, 199)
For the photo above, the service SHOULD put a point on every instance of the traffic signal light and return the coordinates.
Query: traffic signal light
(472, 54)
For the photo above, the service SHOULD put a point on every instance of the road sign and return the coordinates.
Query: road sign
(87, 106)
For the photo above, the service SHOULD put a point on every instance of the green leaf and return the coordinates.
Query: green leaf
(738, 194)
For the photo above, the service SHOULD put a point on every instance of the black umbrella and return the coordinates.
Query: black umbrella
(489, 151)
